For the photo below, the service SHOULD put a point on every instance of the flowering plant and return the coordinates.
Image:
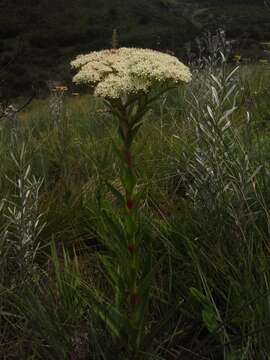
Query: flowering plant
(129, 80)
(123, 72)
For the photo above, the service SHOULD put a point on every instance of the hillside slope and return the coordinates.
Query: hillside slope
(39, 37)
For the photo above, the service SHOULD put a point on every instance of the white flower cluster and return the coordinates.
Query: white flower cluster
(118, 72)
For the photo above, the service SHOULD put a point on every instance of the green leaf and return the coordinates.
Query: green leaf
(202, 299)
(160, 327)
(131, 227)
(128, 180)
(136, 128)
(113, 276)
(117, 149)
(113, 319)
(116, 193)
(144, 294)
(209, 318)
(117, 230)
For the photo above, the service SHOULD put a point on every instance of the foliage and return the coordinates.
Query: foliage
(201, 168)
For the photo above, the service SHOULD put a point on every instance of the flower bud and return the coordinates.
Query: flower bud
(134, 299)
(131, 248)
(130, 204)
(129, 158)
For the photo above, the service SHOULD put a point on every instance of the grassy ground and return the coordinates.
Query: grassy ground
(205, 209)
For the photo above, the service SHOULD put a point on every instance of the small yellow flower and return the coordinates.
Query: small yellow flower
(102, 111)
(237, 57)
(61, 88)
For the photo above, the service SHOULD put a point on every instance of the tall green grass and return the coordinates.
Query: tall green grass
(202, 161)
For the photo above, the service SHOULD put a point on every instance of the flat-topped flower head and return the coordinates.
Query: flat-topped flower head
(125, 71)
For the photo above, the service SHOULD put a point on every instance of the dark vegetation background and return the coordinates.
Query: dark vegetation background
(38, 38)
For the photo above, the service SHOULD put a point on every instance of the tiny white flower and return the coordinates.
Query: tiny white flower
(118, 72)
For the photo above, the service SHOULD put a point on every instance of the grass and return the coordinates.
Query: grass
(205, 211)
